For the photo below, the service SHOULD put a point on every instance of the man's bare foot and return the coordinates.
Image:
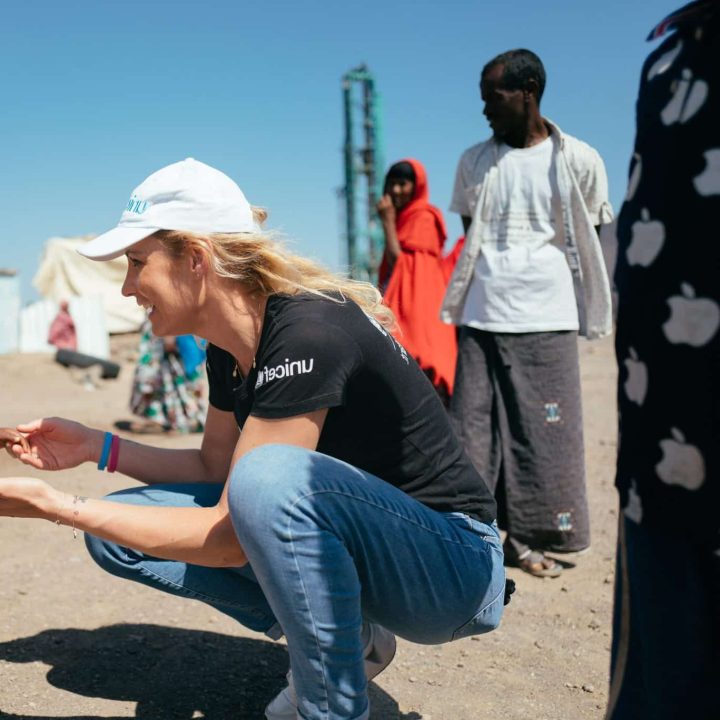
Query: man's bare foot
(538, 564)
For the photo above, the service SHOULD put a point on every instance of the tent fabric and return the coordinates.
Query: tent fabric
(64, 274)
(9, 311)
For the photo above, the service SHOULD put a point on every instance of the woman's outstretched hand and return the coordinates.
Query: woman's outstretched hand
(57, 444)
(28, 498)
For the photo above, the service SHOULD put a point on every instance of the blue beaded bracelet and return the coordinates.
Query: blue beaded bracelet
(102, 462)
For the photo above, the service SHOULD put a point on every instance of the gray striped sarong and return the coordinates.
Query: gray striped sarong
(518, 411)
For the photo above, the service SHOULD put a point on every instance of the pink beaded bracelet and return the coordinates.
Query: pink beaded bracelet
(114, 453)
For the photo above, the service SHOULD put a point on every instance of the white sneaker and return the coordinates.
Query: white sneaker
(378, 653)
(284, 705)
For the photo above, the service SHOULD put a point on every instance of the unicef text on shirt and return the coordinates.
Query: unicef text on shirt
(288, 369)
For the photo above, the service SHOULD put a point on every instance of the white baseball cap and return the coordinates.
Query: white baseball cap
(186, 195)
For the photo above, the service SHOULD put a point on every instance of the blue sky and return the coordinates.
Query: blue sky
(97, 94)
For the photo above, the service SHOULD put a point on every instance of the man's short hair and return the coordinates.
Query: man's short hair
(519, 66)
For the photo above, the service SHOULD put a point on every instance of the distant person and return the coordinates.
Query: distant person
(329, 501)
(666, 634)
(413, 275)
(530, 277)
(168, 390)
(62, 333)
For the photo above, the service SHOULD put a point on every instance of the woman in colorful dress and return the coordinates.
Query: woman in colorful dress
(168, 390)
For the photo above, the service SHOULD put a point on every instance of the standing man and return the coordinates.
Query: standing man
(530, 277)
(666, 634)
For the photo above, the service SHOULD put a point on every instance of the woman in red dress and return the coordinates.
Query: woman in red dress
(413, 274)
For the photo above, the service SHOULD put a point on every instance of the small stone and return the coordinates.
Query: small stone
(412, 679)
(588, 688)
(593, 624)
(608, 580)
(539, 645)
(475, 638)
(564, 588)
(460, 665)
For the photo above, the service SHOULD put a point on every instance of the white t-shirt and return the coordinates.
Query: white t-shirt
(522, 281)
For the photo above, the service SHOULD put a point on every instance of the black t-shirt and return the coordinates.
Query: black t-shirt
(384, 416)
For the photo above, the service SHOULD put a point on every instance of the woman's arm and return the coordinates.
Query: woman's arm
(202, 536)
(211, 463)
(59, 444)
(386, 211)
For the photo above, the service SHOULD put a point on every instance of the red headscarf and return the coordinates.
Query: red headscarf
(416, 286)
(419, 203)
(419, 225)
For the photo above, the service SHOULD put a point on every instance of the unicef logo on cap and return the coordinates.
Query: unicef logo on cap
(136, 206)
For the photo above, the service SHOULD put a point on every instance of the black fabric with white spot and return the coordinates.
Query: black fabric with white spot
(668, 282)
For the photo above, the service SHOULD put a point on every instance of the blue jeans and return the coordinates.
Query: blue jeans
(329, 547)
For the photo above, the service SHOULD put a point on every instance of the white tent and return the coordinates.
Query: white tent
(9, 310)
(64, 274)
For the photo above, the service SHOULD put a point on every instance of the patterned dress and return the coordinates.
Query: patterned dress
(666, 635)
(164, 391)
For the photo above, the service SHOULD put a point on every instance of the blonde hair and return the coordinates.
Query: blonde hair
(263, 265)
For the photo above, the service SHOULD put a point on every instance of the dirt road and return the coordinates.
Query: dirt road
(76, 643)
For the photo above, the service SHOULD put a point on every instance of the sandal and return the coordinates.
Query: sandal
(538, 564)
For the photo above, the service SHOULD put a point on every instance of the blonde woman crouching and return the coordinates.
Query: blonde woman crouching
(330, 501)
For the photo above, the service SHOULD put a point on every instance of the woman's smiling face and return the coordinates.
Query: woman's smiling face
(400, 190)
(163, 284)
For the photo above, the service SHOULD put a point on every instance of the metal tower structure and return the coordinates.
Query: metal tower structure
(363, 157)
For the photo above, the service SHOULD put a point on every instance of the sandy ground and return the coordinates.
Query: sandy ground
(76, 643)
